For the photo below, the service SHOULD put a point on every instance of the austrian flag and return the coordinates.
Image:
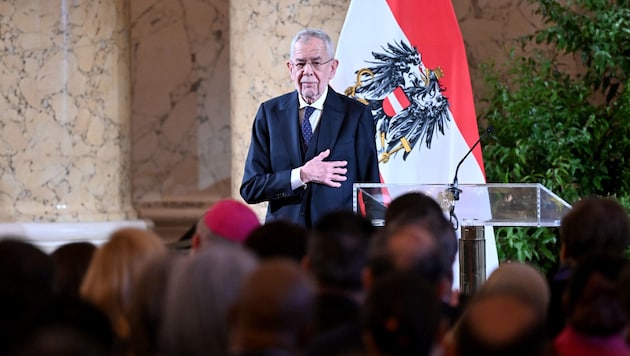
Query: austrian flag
(395, 102)
(406, 59)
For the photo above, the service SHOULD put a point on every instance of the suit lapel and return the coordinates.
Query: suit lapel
(288, 118)
(329, 125)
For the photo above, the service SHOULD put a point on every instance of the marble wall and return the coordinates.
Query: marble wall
(64, 106)
(180, 103)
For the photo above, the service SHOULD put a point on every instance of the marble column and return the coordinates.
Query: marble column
(64, 129)
(181, 154)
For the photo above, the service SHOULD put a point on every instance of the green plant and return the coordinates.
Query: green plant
(562, 125)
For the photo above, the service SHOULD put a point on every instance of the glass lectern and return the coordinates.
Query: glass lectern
(471, 209)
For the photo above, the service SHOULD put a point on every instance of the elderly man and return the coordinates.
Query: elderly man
(309, 146)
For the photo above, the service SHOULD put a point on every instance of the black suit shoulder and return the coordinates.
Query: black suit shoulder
(280, 101)
(350, 101)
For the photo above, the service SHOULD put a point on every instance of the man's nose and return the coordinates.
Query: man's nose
(308, 68)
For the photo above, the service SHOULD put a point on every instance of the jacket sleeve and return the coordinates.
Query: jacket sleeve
(264, 179)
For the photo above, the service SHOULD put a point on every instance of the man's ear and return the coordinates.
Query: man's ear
(333, 68)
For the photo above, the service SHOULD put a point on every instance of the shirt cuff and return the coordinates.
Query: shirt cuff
(296, 182)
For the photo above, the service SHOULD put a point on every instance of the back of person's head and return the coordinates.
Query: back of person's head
(201, 290)
(147, 304)
(593, 297)
(412, 247)
(422, 210)
(594, 224)
(401, 315)
(26, 276)
(71, 262)
(500, 322)
(520, 280)
(274, 309)
(278, 239)
(337, 250)
(226, 221)
(512, 284)
(416, 204)
(108, 282)
(69, 326)
(59, 340)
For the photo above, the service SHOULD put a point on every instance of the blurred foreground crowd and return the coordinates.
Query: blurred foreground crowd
(342, 287)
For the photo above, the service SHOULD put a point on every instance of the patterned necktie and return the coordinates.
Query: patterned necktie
(307, 129)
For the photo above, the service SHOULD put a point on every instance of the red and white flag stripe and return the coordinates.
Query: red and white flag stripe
(395, 102)
(432, 28)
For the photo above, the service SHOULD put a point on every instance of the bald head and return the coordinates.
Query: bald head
(520, 280)
(500, 324)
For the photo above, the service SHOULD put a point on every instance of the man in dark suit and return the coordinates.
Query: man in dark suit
(308, 147)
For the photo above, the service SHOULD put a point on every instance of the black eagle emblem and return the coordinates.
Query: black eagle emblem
(405, 98)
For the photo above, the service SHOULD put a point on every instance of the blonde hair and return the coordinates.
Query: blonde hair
(114, 266)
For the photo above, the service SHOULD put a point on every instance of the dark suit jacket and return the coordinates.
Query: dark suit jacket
(346, 127)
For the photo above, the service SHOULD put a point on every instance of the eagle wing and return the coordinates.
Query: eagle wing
(427, 115)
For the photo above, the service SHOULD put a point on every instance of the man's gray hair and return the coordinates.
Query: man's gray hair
(313, 33)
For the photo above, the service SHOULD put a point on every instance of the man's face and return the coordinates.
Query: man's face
(311, 68)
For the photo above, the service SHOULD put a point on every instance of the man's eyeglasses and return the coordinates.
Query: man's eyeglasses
(299, 65)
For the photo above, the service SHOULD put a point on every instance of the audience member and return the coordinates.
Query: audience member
(594, 224)
(201, 290)
(59, 340)
(108, 282)
(274, 312)
(147, 303)
(71, 262)
(522, 280)
(26, 275)
(278, 238)
(401, 316)
(336, 257)
(69, 326)
(597, 321)
(412, 247)
(415, 215)
(422, 210)
(226, 221)
(135, 298)
(501, 324)
(515, 280)
(419, 237)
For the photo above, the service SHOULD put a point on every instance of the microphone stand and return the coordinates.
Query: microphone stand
(453, 188)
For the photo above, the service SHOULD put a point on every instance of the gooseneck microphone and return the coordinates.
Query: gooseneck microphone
(453, 188)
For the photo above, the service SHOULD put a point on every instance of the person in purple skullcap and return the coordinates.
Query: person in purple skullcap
(227, 221)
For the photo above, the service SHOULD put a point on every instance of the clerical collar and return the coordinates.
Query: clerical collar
(318, 104)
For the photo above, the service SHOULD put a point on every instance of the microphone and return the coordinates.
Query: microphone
(453, 188)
